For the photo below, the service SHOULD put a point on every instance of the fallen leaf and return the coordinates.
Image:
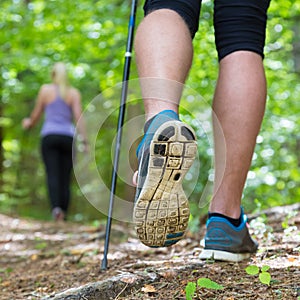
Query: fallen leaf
(291, 259)
(5, 283)
(34, 257)
(77, 251)
(169, 274)
(148, 289)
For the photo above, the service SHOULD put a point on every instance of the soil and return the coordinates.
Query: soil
(44, 260)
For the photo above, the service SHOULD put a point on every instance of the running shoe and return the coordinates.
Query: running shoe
(226, 242)
(166, 153)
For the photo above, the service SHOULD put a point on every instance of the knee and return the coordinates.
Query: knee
(188, 9)
(240, 25)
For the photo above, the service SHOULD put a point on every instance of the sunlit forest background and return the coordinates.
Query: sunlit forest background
(90, 37)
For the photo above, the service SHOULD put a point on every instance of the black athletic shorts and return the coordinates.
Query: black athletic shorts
(239, 24)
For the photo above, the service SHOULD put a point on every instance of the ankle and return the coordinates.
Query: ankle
(234, 221)
(164, 116)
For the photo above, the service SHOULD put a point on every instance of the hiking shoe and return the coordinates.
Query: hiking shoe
(223, 241)
(161, 210)
(58, 214)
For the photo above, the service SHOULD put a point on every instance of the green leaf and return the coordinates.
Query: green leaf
(284, 224)
(265, 268)
(8, 270)
(265, 278)
(41, 246)
(5, 122)
(190, 290)
(252, 270)
(209, 284)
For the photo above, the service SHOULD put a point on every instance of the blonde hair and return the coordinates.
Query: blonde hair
(60, 77)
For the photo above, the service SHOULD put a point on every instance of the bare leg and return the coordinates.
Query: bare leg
(164, 52)
(239, 105)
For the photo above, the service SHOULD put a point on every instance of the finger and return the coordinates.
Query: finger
(134, 178)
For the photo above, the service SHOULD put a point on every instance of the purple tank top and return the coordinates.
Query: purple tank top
(58, 118)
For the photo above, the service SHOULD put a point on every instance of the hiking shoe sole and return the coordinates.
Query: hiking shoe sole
(161, 211)
(223, 255)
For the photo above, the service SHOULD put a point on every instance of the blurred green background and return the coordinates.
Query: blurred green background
(90, 37)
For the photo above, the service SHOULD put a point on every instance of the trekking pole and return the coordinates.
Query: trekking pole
(126, 73)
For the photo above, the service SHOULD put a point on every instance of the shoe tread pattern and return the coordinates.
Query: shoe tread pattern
(161, 212)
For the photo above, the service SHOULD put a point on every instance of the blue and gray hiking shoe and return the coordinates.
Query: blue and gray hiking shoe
(166, 153)
(223, 241)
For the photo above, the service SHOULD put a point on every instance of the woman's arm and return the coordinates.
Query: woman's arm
(37, 111)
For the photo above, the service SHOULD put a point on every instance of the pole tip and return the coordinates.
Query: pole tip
(104, 264)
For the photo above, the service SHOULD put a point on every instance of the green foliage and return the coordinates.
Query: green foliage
(271, 181)
(209, 284)
(252, 270)
(41, 245)
(263, 274)
(91, 39)
(190, 290)
(204, 283)
(265, 278)
(286, 223)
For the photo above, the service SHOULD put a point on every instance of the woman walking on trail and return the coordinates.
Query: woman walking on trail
(61, 104)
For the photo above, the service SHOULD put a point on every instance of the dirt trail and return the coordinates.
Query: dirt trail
(44, 260)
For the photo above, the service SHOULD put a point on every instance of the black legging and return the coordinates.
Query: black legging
(57, 157)
(239, 24)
